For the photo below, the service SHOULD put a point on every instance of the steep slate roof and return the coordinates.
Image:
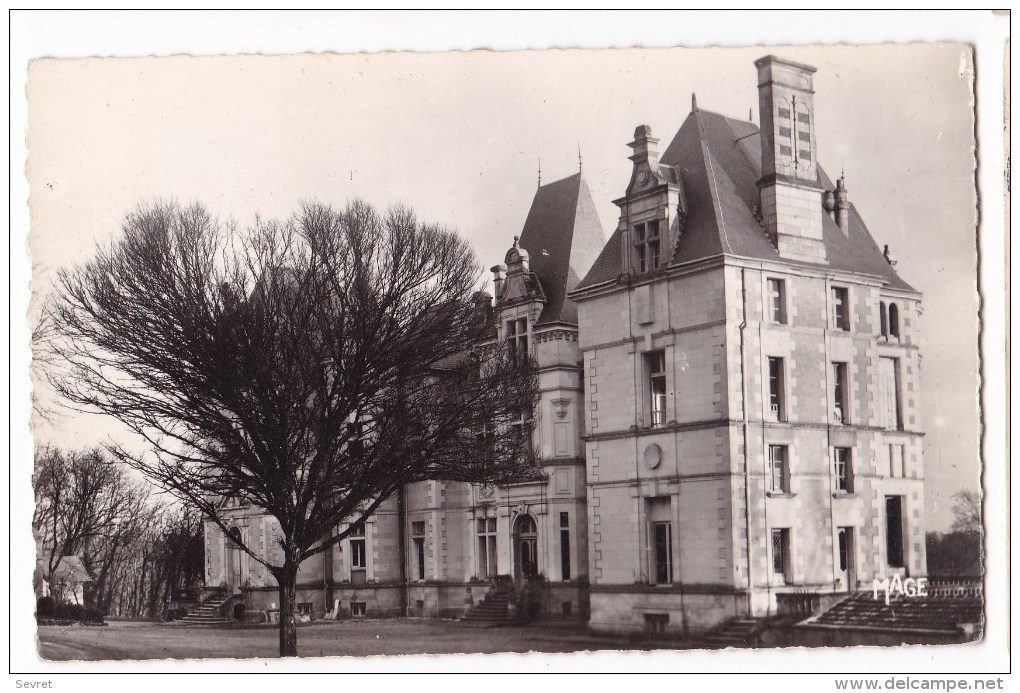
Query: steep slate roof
(563, 236)
(719, 159)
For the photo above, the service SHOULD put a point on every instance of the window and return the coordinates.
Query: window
(646, 245)
(840, 309)
(359, 557)
(842, 463)
(896, 460)
(777, 408)
(358, 609)
(662, 536)
(418, 542)
(777, 301)
(656, 623)
(841, 409)
(779, 471)
(883, 322)
(517, 337)
(355, 442)
(894, 531)
(305, 608)
(781, 554)
(524, 423)
(845, 538)
(486, 547)
(889, 394)
(655, 361)
(894, 320)
(565, 545)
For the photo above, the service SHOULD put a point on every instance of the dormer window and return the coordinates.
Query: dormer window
(647, 246)
(517, 337)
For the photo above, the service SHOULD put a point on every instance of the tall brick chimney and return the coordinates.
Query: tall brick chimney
(790, 193)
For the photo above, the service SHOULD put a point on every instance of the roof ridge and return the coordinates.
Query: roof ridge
(713, 185)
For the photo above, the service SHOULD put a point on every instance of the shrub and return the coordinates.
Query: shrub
(77, 612)
(44, 607)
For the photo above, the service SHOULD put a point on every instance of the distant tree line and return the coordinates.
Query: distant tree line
(959, 552)
(136, 550)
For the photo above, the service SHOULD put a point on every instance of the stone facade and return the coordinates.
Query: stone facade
(752, 421)
(729, 403)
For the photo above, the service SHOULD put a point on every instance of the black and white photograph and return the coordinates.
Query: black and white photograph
(636, 356)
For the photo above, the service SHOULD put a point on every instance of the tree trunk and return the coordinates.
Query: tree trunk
(286, 577)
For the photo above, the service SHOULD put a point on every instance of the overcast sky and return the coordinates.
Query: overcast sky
(458, 137)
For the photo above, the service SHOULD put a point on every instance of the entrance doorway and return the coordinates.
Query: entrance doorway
(525, 548)
(847, 569)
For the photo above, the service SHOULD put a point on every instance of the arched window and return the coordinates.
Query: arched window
(882, 318)
(526, 525)
(894, 320)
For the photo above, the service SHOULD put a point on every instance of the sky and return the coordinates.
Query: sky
(459, 138)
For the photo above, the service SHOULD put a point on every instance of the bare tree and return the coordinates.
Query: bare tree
(967, 512)
(310, 367)
(80, 497)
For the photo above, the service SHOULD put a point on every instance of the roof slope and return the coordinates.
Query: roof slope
(719, 159)
(563, 236)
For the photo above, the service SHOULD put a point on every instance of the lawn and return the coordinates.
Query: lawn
(122, 640)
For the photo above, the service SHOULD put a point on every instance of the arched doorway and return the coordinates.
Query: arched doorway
(525, 548)
(233, 559)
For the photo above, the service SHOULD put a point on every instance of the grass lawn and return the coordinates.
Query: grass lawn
(133, 640)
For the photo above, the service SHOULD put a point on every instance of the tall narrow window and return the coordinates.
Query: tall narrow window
(896, 460)
(662, 537)
(647, 246)
(889, 394)
(517, 337)
(359, 556)
(840, 400)
(524, 426)
(883, 323)
(894, 320)
(843, 470)
(418, 542)
(779, 472)
(894, 531)
(840, 309)
(656, 364)
(777, 301)
(486, 547)
(781, 555)
(777, 404)
(565, 545)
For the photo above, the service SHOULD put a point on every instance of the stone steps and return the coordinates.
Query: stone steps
(495, 607)
(938, 613)
(736, 632)
(208, 614)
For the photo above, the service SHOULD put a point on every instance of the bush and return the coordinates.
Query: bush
(44, 607)
(77, 612)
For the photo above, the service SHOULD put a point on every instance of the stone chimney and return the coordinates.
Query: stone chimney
(842, 206)
(790, 192)
(498, 277)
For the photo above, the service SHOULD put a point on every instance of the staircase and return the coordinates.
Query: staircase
(741, 631)
(495, 608)
(935, 613)
(208, 613)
